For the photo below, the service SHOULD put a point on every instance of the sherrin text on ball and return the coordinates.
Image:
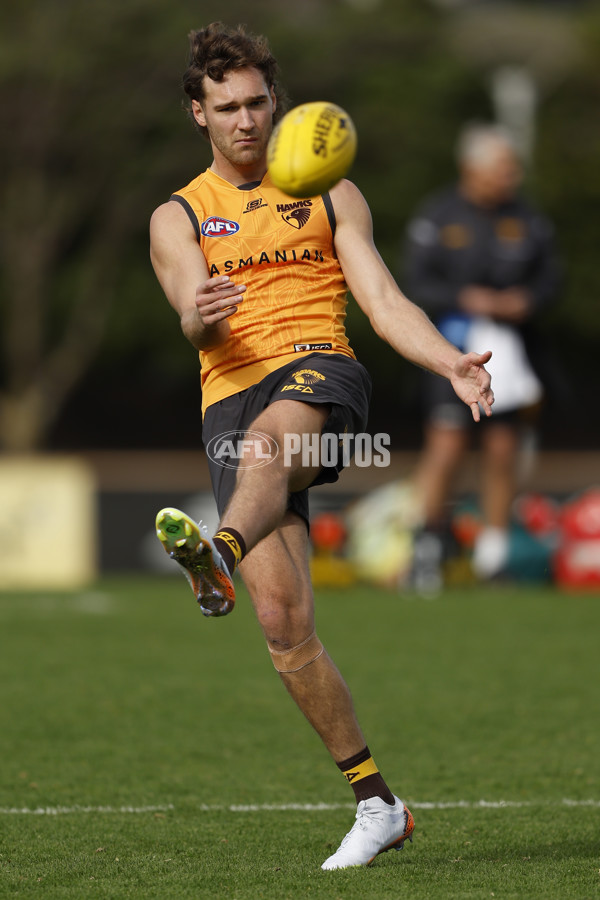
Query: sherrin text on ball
(311, 149)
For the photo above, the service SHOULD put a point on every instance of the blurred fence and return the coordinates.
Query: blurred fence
(68, 519)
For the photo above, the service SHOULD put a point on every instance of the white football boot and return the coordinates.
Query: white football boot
(378, 827)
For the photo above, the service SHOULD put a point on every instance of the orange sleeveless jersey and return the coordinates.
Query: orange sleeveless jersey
(282, 250)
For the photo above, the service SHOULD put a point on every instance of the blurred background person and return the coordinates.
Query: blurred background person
(481, 260)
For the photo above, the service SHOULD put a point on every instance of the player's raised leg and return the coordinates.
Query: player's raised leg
(209, 563)
(260, 499)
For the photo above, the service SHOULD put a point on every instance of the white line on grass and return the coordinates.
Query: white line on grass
(452, 804)
(286, 807)
(68, 810)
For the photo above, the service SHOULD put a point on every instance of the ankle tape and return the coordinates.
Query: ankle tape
(296, 658)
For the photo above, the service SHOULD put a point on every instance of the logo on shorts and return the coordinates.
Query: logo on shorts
(304, 378)
(216, 226)
(242, 449)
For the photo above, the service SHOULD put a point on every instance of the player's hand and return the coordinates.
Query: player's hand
(217, 299)
(471, 381)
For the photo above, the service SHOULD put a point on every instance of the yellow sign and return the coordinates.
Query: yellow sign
(47, 523)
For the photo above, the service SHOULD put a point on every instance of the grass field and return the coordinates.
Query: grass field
(148, 752)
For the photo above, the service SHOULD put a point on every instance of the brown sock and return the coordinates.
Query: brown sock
(365, 778)
(231, 546)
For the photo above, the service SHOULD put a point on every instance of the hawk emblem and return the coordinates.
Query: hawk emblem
(307, 376)
(297, 218)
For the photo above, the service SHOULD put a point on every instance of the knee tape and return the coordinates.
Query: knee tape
(296, 658)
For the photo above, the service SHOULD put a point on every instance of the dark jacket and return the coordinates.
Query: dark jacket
(452, 243)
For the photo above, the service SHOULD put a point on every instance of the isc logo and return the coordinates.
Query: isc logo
(216, 226)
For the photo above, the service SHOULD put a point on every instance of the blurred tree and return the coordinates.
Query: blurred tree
(78, 84)
(95, 139)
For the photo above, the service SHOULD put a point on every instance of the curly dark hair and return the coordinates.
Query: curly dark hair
(216, 50)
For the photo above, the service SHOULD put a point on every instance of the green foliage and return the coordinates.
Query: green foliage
(125, 696)
(568, 181)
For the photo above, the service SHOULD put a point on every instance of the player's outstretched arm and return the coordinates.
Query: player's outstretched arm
(395, 318)
(204, 304)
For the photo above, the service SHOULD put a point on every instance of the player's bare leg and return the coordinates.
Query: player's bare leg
(275, 568)
(277, 575)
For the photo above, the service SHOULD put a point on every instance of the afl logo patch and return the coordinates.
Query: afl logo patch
(216, 226)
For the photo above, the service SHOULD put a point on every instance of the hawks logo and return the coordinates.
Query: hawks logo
(297, 218)
(304, 378)
(295, 214)
(307, 376)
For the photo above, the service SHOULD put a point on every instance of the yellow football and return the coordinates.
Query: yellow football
(311, 148)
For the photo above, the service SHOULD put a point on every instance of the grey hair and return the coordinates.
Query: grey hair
(478, 140)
